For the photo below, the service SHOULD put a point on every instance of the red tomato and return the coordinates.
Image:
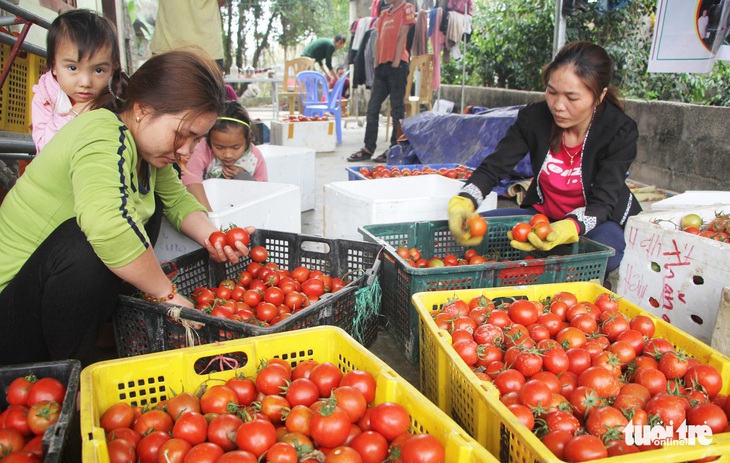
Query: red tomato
(330, 430)
(281, 452)
(327, 377)
(520, 231)
(121, 451)
(343, 454)
(17, 393)
(149, 446)
(258, 253)
(207, 452)
(542, 229)
(181, 403)
(191, 427)
(256, 436)
(538, 218)
(710, 415)
(16, 417)
(524, 414)
(216, 398)
(43, 414)
(304, 369)
(238, 456)
(222, 431)
(585, 447)
(46, 389)
(523, 312)
(477, 225)
(352, 401)
(704, 377)
(237, 234)
(422, 448)
(555, 442)
(10, 441)
(119, 415)
(372, 447)
(272, 378)
(218, 237)
(173, 451)
(605, 383)
(130, 435)
(362, 381)
(390, 419)
(313, 287)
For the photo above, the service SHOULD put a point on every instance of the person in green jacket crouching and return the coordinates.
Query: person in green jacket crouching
(73, 227)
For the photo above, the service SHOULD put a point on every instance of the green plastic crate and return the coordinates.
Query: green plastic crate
(583, 261)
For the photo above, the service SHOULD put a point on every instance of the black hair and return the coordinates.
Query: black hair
(340, 38)
(234, 110)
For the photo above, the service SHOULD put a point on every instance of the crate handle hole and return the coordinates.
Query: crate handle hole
(698, 280)
(654, 303)
(697, 319)
(314, 246)
(656, 267)
(221, 362)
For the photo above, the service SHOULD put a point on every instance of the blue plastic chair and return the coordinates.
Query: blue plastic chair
(313, 88)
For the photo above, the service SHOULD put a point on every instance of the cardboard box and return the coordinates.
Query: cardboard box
(317, 135)
(349, 205)
(294, 166)
(273, 206)
(674, 274)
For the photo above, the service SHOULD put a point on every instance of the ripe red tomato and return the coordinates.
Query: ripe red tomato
(222, 431)
(174, 451)
(121, 451)
(331, 430)
(422, 448)
(237, 234)
(390, 419)
(520, 231)
(18, 390)
(10, 440)
(207, 452)
(256, 436)
(258, 253)
(372, 447)
(46, 389)
(149, 446)
(523, 312)
(272, 378)
(191, 427)
(218, 237)
(42, 415)
(477, 225)
(281, 452)
(119, 415)
(585, 447)
(215, 399)
(541, 229)
(362, 381)
(539, 218)
(327, 377)
(523, 413)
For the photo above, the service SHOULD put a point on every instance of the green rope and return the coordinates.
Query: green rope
(367, 306)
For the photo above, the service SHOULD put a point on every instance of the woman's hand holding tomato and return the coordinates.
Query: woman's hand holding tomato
(229, 246)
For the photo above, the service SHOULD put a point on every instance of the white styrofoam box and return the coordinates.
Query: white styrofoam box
(692, 198)
(272, 206)
(674, 274)
(317, 135)
(292, 165)
(721, 338)
(349, 205)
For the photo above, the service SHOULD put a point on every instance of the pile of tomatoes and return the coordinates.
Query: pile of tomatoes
(303, 118)
(717, 229)
(381, 171)
(577, 372)
(539, 224)
(263, 294)
(471, 256)
(311, 413)
(33, 405)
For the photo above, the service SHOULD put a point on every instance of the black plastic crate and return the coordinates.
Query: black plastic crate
(143, 327)
(66, 371)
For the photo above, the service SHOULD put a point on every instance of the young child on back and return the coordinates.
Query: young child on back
(226, 152)
(85, 72)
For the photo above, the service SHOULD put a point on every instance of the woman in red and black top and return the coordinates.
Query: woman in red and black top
(581, 145)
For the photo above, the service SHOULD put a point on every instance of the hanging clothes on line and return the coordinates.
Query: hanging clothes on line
(437, 44)
(458, 25)
(420, 39)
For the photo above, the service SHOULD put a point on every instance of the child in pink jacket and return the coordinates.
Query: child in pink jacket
(226, 152)
(85, 72)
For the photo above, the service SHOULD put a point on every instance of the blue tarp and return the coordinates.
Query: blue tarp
(437, 138)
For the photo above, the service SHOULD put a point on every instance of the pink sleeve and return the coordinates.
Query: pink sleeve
(262, 173)
(44, 121)
(199, 160)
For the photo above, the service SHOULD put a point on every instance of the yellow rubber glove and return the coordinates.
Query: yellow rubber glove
(460, 210)
(563, 232)
(520, 245)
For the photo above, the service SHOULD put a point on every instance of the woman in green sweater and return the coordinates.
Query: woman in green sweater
(73, 227)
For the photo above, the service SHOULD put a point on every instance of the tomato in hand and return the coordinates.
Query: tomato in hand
(477, 225)
(541, 229)
(538, 218)
(237, 234)
(217, 237)
(520, 231)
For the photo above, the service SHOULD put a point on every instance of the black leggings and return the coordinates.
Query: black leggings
(53, 307)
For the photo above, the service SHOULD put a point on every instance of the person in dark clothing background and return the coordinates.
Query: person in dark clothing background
(321, 51)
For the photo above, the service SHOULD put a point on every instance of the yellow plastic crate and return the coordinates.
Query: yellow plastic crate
(151, 378)
(17, 93)
(474, 404)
